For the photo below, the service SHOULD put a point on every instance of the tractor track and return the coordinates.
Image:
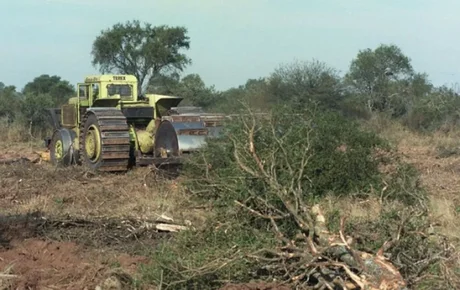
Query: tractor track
(114, 138)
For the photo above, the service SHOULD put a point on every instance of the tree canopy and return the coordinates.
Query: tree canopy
(191, 87)
(374, 73)
(8, 102)
(58, 89)
(301, 82)
(144, 51)
(371, 69)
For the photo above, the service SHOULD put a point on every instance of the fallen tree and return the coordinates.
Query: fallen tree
(315, 257)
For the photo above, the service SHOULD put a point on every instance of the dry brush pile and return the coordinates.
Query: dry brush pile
(268, 178)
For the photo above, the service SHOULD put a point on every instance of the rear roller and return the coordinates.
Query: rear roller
(104, 140)
(166, 141)
(178, 135)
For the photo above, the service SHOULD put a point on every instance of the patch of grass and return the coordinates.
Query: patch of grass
(207, 258)
(444, 152)
(438, 176)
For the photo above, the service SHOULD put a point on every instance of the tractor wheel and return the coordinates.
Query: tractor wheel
(105, 141)
(61, 148)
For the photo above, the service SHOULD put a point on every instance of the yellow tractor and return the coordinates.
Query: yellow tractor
(108, 127)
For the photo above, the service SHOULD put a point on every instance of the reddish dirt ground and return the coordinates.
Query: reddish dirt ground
(38, 264)
(31, 260)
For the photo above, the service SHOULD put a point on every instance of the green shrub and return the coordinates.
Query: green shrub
(205, 259)
(327, 153)
(438, 109)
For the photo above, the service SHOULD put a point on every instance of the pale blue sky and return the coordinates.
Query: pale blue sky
(232, 40)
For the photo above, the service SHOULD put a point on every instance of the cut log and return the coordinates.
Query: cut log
(170, 227)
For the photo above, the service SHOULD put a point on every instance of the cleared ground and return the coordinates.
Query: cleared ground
(70, 229)
(437, 158)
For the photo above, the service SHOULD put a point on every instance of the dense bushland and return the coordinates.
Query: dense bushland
(24, 115)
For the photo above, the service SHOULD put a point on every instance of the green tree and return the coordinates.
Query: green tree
(58, 89)
(302, 82)
(436, 110)
(404, 94)
(143, 51)
(9, 102)
(195, 91)
(164, 84)
(255, 93)
(34, 111)
(373, 72)
(191, 87)
(419, 85)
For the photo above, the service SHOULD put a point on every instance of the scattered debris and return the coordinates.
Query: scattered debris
(35, 157)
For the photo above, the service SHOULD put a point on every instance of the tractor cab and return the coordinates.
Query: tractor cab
(107, 90)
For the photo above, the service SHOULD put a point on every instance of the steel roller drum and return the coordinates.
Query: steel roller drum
(182, 134)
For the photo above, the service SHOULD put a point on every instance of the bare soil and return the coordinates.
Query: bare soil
(44, 264)
(439, 175)
(37, 252)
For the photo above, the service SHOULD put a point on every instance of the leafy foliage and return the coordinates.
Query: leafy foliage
(59, 90)
(334, 154)
(34, 111)
(254, 92)
(28, 109)
(301, 83)
(9, 103)
(191, 87)
(373, 72)
(143, 51)
(434, 111)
